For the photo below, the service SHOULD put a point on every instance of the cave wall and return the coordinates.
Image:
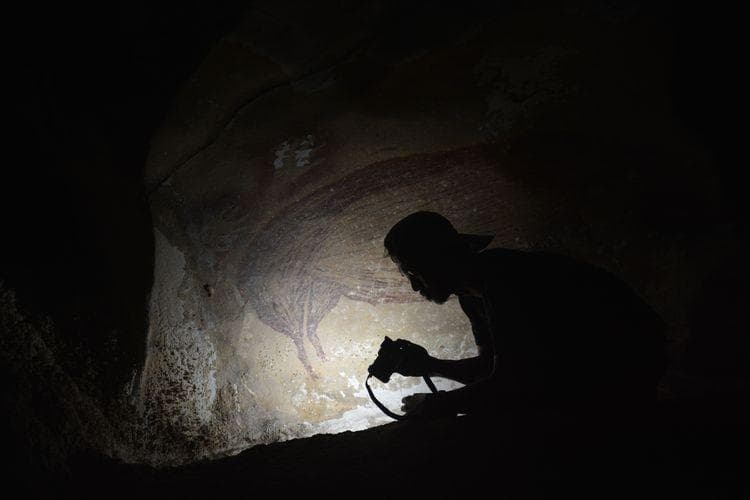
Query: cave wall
(87, 86)
(194, 200)
(299, 141)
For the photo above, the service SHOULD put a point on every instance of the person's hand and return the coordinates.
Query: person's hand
(412, 405)
(414, 360)
(425, 405)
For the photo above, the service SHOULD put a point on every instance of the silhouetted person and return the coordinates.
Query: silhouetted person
(550, 331)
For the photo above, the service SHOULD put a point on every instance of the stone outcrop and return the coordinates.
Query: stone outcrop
(195, 199)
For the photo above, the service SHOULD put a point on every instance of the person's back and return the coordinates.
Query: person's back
(565, 331)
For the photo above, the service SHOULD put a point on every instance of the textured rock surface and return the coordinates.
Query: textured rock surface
(90, 85)
(280, 140)
(52, 417)
(285, 159)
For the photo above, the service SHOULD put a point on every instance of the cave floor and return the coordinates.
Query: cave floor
(691, 448)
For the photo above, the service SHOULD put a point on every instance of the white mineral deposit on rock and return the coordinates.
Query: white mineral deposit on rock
(281, 153)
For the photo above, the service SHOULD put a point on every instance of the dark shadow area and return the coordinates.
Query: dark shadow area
(90, 86)
(684, 452)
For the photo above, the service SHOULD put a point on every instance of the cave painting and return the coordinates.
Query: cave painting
(328, 244)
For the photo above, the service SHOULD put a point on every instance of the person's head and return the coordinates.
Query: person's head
(430, 252)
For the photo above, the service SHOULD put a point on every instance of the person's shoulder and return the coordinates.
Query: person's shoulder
(501, 256)
(506, 267)
(503, 269)
(569, 266)
(546, 261)
(506, 261)
(501, 252)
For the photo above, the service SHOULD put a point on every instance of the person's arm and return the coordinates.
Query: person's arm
(478, 373)
(466, 399)
(465, 371)
(470, 370)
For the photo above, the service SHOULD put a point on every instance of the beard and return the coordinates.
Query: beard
(438, 296)
(441, 300)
